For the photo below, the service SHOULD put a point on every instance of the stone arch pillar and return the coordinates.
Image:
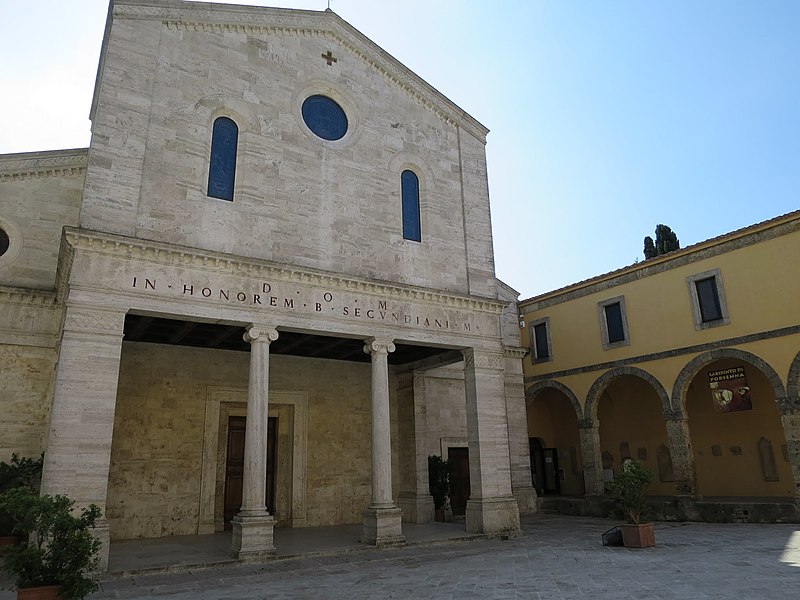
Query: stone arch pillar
(589, 433)
(790, 419)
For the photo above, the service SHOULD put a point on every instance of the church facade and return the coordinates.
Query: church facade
(690, 362)
(265, 294)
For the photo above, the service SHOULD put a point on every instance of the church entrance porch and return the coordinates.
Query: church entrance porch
(180, 430)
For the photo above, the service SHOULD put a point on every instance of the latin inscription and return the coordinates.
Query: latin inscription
(268, 297)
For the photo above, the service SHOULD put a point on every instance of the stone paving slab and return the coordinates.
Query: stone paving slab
(557, 557)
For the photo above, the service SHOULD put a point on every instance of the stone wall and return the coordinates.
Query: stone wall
(40, 192)
(25, 379)
(155, 478)
(298, 199)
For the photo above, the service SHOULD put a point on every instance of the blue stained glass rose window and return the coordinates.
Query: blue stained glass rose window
(324, 117)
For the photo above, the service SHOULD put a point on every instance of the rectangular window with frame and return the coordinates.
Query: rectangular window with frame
(613, 322)
(708, 299)
(540, 340)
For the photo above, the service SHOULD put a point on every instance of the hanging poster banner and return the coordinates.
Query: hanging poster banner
(729, 390)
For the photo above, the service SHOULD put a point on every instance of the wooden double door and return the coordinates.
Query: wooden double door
(234, 466)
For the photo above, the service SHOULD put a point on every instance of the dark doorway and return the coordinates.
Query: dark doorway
(458, 463)
(544, 467)
(234, 466)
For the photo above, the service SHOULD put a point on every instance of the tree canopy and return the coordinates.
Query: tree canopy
(666, 241)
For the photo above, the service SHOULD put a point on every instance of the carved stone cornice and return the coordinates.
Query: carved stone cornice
(35, 165)
(483, 359)
(405, 380)
(30, 297)
(515, 352)
(93, 320)
(303, 23)
(184, 257)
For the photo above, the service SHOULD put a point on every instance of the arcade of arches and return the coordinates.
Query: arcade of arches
(709, 464)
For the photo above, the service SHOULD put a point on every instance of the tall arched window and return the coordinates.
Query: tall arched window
(222, 167)
(410, 190)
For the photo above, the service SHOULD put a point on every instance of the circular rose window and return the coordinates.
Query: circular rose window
(324, 117)
(4, 242)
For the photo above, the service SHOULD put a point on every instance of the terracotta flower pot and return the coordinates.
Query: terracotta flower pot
(45, 592)
(6, 541)
(638, 536)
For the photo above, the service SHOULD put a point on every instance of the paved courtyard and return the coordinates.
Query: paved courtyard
(557, 557)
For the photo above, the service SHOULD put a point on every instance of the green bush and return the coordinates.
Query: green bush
(60, 549)
(438, 481)
(627, 490)
(18, 472)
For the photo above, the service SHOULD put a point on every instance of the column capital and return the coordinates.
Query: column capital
(376, 345)
(262, 333)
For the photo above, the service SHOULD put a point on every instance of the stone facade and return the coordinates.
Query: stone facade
(107, 245)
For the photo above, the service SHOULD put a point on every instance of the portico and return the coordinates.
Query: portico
(406, 330)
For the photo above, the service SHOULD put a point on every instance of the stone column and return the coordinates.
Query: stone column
(790, 419)
(589, 434)
(415, 498)
(382, 520)
(680, 450)
(78, 455)
(491, 508)
(253, 526)
(517, 414)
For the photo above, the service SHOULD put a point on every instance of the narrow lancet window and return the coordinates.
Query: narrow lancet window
(410, 191)
(222, 167)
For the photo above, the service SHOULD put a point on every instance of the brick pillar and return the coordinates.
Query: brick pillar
(589, 434)
(491, 507)
(78, 455)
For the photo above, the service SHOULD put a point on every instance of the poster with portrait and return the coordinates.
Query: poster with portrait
(729, 390)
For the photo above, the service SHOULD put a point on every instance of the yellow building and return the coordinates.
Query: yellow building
(689, 361)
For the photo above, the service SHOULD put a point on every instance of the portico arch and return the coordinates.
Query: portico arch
(737, 425)
(602, 382)
(631, 423)
(694, 366)
(554, 416)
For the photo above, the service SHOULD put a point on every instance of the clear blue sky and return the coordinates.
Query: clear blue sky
(606, 118)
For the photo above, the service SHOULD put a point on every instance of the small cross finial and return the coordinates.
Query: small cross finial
(329, 58)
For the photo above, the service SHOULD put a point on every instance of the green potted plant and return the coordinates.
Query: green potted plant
(627, 491)
(18, 472)
(438, 484)
(60, 551)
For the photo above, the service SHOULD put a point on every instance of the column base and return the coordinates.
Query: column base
(493, 516)
(417, 508)
(383, 527)
(252, 537)
(526, 499)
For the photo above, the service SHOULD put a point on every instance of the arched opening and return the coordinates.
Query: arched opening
(737, 436)
(631, 422)
(556, 461)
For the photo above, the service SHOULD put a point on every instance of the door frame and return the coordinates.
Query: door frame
(291, 408)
